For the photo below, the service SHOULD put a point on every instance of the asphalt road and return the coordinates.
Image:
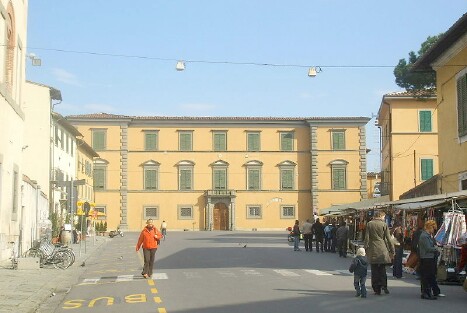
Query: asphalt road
(236, 272)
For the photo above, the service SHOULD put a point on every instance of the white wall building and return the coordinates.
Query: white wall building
(13, 35)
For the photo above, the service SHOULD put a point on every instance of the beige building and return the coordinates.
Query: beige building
(409, 141)
(84, 166)
(373, 185)
(223, 173)
(448, 57)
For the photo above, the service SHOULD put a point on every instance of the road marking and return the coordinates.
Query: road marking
(151, 282)
(90, 281)
(157, 300)
(251, 272)
(191, 275)
(154, 290)
(121, 278)
(226, 274)
(318, 272)
(161, 310)
(286, 273)
(159, 276)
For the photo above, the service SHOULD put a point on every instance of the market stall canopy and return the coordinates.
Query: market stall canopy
(419, 205)
(343, 209)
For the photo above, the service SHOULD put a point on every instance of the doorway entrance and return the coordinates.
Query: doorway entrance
(221, 216)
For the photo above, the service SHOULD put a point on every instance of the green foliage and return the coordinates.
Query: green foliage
(413, 81)
(105, 226)
(55, 224)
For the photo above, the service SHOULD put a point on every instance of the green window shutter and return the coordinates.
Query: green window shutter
(338, 178)
(220, 179)
(425, 121)
(150, 142)
(253, 179)
(99, 178)
(98, 140)
(150, 179)
(185, 142)
(287, 179)
(185, 179)
(253, 142)
(427, 168)
(286, 141)
(462, 105)
(220, 142)
(338, 141)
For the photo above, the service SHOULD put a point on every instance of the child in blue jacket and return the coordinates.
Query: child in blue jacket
(359, 268)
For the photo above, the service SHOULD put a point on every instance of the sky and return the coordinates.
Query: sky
(242, 57)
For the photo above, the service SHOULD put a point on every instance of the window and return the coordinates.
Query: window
(62, 139)
(254, 178)
(425, 121)
(253, 211)
(99, 137)
(426, 167)
(287, 211)
(287, 179)
(253, 141)
(15, 191)
(286, 139)
(287, 173)
(338, 174)
(219, 140)
(67, 143)
(100, 174)
(151, 171)
(185, 140)
(338, 140)
(101, 212)
(462, 180)
(57, 136)
(151, 212)
(72, 146)
(462, 103)
(10, 48)
(185, 175)
(151, 141)
(185, 212)
(219, 178)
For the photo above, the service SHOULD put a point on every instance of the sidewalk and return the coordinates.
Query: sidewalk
(23, 291)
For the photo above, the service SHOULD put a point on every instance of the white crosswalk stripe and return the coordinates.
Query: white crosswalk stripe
(287, 273)
(223, 274)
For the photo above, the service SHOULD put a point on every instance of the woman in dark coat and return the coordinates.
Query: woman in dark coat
(380, 251)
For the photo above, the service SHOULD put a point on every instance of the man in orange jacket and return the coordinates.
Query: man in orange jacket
(149, 239)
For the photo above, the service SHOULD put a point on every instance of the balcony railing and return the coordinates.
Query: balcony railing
(220, 193)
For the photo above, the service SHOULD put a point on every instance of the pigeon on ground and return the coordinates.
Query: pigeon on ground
(83, 264)
(244, 246)
(120, 257)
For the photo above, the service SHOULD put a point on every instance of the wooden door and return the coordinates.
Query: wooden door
(221, 216)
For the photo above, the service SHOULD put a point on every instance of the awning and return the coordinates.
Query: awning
(418, 205)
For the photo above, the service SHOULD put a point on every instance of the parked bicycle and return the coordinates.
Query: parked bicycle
(60, 256)
(14, 255)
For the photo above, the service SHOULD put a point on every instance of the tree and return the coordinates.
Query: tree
(413, 81)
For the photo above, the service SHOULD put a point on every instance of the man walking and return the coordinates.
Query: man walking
(308, 235)
(342, 235)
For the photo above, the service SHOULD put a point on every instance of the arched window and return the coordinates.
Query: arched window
(253, 175)
(219, 175)
(151, 175)
(185, 175)
(10, 47)
(338, 174)
(287, 172)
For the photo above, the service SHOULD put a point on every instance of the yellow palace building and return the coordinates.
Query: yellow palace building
(223, 173)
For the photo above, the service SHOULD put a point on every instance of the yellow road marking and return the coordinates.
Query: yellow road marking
(151, 282)
(157, 300)
(161, 310)
(154, 290)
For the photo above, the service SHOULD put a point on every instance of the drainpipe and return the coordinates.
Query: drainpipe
(38, 211)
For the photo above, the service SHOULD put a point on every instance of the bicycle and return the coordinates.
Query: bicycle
(59, 256)
(14, 256)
